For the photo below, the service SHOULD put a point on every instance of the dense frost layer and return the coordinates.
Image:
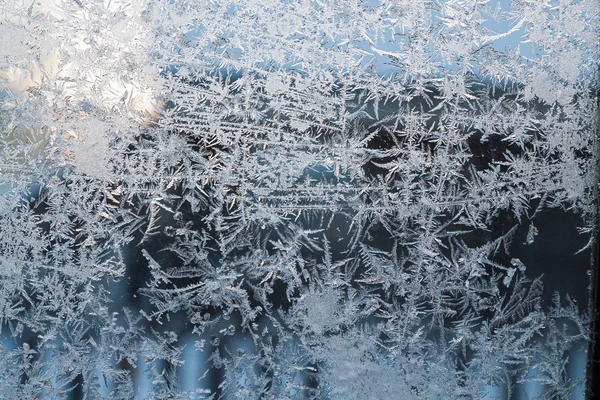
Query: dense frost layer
(315, 199)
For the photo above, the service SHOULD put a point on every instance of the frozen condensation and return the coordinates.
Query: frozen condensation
(308, 199)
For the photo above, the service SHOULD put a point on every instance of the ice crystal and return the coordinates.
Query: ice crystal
(318, 199)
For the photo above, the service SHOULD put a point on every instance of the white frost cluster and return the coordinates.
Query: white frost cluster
(317, 198)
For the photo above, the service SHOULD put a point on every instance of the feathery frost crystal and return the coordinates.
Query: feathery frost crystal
(309, 199)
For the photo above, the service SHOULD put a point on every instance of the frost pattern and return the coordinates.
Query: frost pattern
(329, 194)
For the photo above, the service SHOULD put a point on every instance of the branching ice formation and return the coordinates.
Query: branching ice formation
(330, 194)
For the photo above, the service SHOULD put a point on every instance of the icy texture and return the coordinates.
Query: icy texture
(327, 193)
